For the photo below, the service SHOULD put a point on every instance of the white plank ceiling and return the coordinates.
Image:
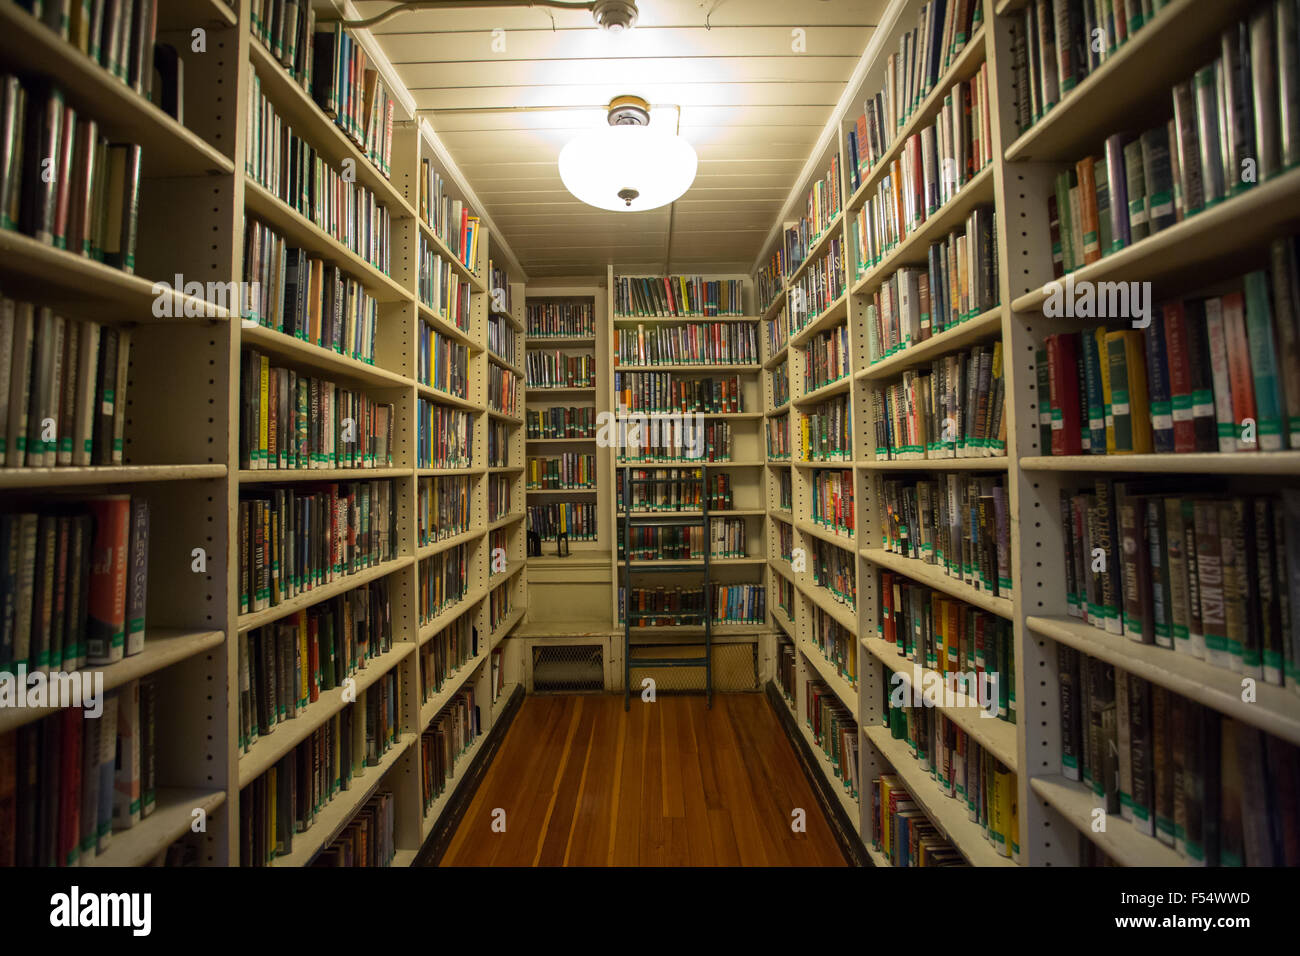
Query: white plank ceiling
(726, 70)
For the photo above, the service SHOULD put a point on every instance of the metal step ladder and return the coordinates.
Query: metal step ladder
(629, 568)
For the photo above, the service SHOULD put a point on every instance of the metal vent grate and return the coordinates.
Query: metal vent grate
(735, 668)
(568, 668)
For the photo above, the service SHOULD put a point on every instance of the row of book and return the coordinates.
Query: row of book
(674, 489)
(449, 735)
(63, 389)
(950, 638)
(576, 519)
(499, 496)
(778, 437)
(559, 421)
(368, 839)
(1216, 790)
(74, 581)
(785, 592)
(958, 283)
(818, 287)
(838, 644)
(285, 666)
(725, 539)
(61, 181)
(832, 500)
(443, 581)
(559, 320)
(287, 28)
(671, 296)
(964, 770)
(290, 291)
(441, 362)
(665, 392)
(295, 540)
(778, 331)
(835, 570)
(503, 390)
(286, 165)
(826, 431)
(835, 731)
(784, 490)
(1216, 374)
(449, 219)
(664, 440)
(441, 508)
(726, 603)
(954, 409)
(71, 781)
(353, 95)
(1213, 577)
(570, 469)
(501, 338)
(958, 523)
(943, 30)
(444, 436)
(697, 343)
(446, 653)
(499, 443)
(822, 206)
(117, 36)
(901, 830)
(501, 603)
(291, 421)
(498, 548)
(288, 799)
(769, 280)
(784, 540)
(556, 369)
(440, 288)
(780, 377)
(499, 286)
(826, 358)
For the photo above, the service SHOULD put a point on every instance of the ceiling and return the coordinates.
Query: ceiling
(751, 106)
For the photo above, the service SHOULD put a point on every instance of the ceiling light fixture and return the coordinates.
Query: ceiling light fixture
(612, 15)
(628, 166)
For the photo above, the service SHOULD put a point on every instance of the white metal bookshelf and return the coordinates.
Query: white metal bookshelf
(1132, 86)
(182, 439)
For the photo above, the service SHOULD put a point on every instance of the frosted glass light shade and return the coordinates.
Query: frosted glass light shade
(599, 164)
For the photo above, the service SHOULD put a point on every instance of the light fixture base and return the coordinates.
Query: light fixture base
(615, 15)
(628, 111)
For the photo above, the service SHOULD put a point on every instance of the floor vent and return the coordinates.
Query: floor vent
(568, 669)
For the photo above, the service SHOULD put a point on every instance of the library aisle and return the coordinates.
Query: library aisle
(580, 782)
(651, 433)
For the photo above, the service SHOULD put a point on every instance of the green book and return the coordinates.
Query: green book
(1263, 363)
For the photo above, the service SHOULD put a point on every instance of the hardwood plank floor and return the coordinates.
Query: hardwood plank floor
(667, 784)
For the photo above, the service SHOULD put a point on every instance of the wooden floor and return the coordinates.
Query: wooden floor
(668, 784)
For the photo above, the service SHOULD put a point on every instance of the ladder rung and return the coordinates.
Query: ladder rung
(668, 662)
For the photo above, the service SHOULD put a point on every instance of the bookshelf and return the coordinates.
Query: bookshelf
(1201, 254)
(188, 370)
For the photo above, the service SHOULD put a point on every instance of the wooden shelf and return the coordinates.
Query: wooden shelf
(451, 686)
(816, 248)
(1276, 710)
(37, 479)
(680, 319)
(838, 683)
(27, 46)
(438, 472)
(341, 585)
(507, 519)
(839, 539)
(828, 318)
(463, 760)
(946, 813)
(503, 417)
(295, 107)
(933, 575)
(562, 491)
(1214, 243)
(267, 751)
(1199, 463)
(446, 398)
(430, 628)
(845, 616)
(301, 231)
(546, 342)
(281, 476)
(994, 734)
(163, 647)
(555, 441)
(1120, 840)
(775, 306)
(172, 816)
(335, 815)
(444, 326)
(1131, 89)
(777, 357)
(967, 64)
(978, 329)
(847, 802)
(745, 368)
(314, 358)
(446, 544)
(466, 274)
(823, 392)
(994, 463)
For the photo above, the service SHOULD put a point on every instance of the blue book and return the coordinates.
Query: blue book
(1094, 395)
(1263, 363)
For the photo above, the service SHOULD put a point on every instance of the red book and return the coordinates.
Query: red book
(1239, 371)
(70, 786)
(1062, 365)
(887, 606)
(1180, 376)
(106, 637)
